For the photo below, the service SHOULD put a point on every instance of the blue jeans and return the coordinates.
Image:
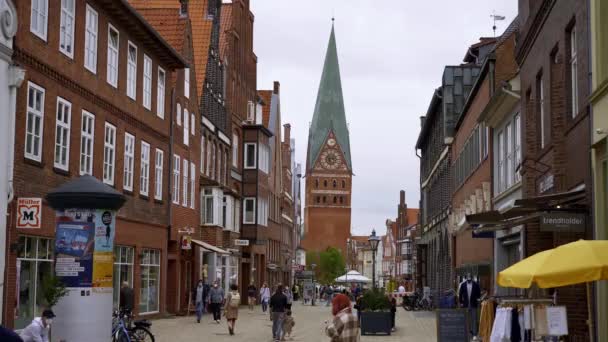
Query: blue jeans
(200, 307)
(277, 325)
(472, 316)
(264, 305)
(329, 298)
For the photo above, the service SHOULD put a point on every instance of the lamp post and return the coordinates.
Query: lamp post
(314, 286)
(373, 243)
(390, 273)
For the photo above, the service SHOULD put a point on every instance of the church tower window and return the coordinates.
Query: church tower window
(335, 200)
(325, 183)
(343, 184)
(335, 183)
(316, 183)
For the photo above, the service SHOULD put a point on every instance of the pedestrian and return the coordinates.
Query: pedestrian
(296, 292)
(216, 300)
(199, 300)
(288, 325)
(287, 292)
(127, 298)
(393, 312)
(7, 335)
(38, 330)
(278, 306)
(252, 292)
(329, 292)
(344, 326)
(231, 310)
(264, 296)
(401, 289)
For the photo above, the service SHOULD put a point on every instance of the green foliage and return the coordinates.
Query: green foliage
(53, 289)
(330, 264)
(375, 300)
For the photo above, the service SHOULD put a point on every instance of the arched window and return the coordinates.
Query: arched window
(325, 183)
(335, 200)
(341, 199)
(343, 184)
(324, 199)
(316, 183)
(335, 184)
(318, 199)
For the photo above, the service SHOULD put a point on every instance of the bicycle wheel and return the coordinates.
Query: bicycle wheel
(141, 334)
(120, 336)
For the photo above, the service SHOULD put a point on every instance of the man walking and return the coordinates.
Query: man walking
(216, 300)
(278, 306)
(199, 300)
(251, 293)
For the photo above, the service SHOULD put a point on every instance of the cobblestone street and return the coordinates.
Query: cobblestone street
(256, 326)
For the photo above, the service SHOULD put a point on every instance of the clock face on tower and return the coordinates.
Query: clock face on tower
(330, 160)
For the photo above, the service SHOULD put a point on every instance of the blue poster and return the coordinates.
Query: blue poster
(74, 247)
(105, 222)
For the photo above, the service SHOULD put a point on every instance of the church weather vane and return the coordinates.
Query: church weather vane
(496, 18)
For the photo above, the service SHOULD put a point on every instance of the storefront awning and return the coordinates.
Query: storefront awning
(209, 247)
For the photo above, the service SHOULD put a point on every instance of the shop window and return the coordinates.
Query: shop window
(123, 271)
(149, 292)
(34, 265)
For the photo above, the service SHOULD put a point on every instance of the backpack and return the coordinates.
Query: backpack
(235, 299)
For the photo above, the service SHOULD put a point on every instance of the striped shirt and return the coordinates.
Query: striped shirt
(344, 327)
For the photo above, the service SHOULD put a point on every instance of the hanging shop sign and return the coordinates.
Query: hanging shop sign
(186, 242)
(29, 212)
(238, 242)
(562, 222)
(545, 183)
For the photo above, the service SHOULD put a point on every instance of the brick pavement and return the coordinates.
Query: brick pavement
(256, 326)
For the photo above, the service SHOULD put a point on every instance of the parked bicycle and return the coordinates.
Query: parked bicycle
(123, 330)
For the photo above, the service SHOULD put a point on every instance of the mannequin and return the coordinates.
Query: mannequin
(468, 298)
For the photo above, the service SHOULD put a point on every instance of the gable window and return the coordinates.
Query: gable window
(187, 82)
(186, 127)
(186, 182)
(176, 178)
(66, 34)
(144, 173)
(34, 122)
(160, 93)
(39, 18)
(192, 185)
(573, 72)
(335, 184)
(87, 135)
(250, 154)
(235, 150)
(127, 182)
(131, 70)
(158, 174)
(90, 41)
(147, 82)
(113, 38)
(249, 211)
(109, 148)
(62, 134)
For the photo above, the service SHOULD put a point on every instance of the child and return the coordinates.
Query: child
(393, 312)
(288, 324)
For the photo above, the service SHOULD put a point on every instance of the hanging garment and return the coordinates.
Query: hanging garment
(540, 321)
(486, 320)
(522, 331)
(501, 330)
(515, 330)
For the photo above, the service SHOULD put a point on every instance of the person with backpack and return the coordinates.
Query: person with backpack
(231, 310)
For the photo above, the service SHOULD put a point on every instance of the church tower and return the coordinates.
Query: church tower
(328, 164)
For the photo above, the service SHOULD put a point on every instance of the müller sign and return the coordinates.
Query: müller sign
(562, 222)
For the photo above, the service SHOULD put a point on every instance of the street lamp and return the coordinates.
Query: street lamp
(314, 286)
(373, 243)
(390, 272)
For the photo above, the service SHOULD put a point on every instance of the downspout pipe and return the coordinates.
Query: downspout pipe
(170, 195)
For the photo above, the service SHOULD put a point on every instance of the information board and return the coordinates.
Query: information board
(452, 325)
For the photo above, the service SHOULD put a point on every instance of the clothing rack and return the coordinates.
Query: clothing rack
(526, 301)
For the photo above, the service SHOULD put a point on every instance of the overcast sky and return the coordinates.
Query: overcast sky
(391, 55)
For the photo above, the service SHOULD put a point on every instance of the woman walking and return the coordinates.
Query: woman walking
(287, 292)
(264, 296)
(231, 310)
(344, 327)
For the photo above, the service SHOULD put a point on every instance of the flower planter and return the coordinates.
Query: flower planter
(376, 322)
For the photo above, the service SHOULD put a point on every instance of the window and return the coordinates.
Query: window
(62, 134)
(207, 172)
(335, 200)
(325, 183)
(34, 122)
(517, 143)
(225, 174)
(541, 110)
(343, 184)
(112, 73)
(235, 150)
(237, 215)
(249, 211)
(66, 33)
(213, 161)
(335, 184)
(176, 178)
(573, 72)
(250, 162)
(144, 168)
(187, 82)
(127, 182)
(35, 262)
(316, 183)
(324, 199)
(179, 114)
(203, 154)
(158, 174)
(149, 291)
(109, 148)
(341, 200)
(192, 185)
(186, 127)
(90, 41)
(160, 94)
(123, 270)
(39, 18)
(212, 200)
(263, 211)
(186, 182)
(219, 165)
(192, 125)
(87, 136)
(147, 82)
(509, 156)
(227, 215)
(131, 70)
(264, 158)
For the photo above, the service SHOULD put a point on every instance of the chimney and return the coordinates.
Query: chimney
(287, 133)
(422, 121)
(277, 87)
(402, 197)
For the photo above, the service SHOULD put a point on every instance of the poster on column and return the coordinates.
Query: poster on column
(74, 252)
(103, 258)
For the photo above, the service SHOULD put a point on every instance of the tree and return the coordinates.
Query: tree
(331, 265)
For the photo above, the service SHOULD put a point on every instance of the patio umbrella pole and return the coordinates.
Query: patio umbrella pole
(590, 310)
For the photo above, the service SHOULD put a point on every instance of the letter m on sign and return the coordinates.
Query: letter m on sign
(29, 211)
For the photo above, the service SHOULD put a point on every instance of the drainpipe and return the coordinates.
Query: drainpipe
(170, 198)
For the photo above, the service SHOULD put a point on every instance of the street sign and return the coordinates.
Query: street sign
(29, 212)
(238, 242)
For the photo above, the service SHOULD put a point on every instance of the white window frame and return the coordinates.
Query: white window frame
(109, 153)
(186, 184)
(208, 169)
(192, 124)
(90, 44)
(144, 169)
(211, 204)
(131, 71)
(192, 185)
(263, 211)
(250, 164)
(264, 158)
(147, 82)
(42, 18)
(129, 162)
(112, 57)
(186, 127)
(508, 155)
(155, 255)
(158, 174)
(34, 114)
(187, 82)
(87, 143)
(179, 114)
(501, 161)
(237, 215)
(573, 72)
(517, 145)
(245, 201)
(67, 32)
(235, 150)
(123, 256)
(202, 169)
(63, 121)
(176, 178)
(160, 93)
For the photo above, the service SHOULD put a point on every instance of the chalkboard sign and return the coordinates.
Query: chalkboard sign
(452, 325)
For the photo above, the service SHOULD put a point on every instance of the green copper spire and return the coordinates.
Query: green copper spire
(329, 109)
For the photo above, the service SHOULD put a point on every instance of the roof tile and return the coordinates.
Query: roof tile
(266, 96)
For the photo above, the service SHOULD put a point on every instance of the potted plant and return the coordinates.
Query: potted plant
(375, 313)
(53, 289)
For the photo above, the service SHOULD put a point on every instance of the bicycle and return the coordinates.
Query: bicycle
(123, 332)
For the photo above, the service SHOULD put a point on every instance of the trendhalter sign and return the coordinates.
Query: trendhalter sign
(562, 222)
